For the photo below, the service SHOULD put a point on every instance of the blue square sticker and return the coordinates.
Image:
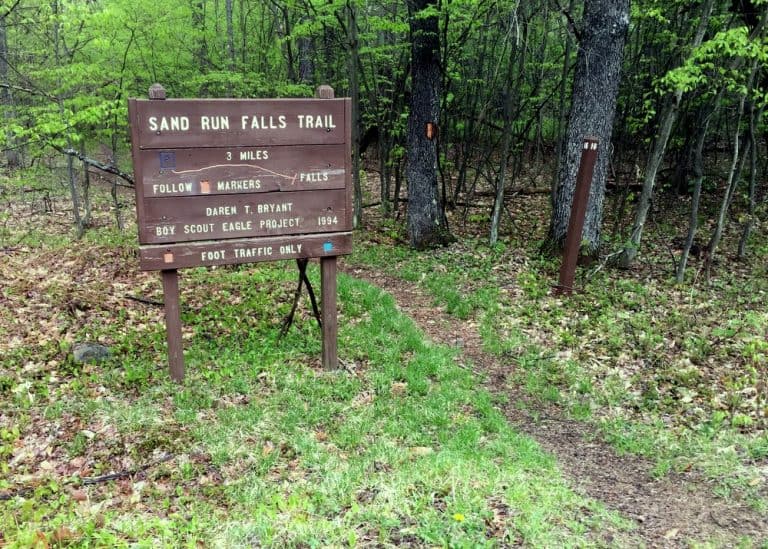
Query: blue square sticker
(327, 247)
(167, 160)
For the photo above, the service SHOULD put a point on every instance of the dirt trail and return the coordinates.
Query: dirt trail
(670, 512)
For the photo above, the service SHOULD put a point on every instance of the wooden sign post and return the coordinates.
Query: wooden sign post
(578, 213)
(228, 181)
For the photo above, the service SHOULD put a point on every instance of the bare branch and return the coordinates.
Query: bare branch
(108, 168)
(26, 90)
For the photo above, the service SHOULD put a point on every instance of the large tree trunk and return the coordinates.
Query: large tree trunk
(561, 118)
(666, 121)
(427, 225)
(595, 87)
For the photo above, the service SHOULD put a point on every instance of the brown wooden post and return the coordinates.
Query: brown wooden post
(328, 287)
(330, 322)
(324, 92)
(171, 296)
(173, 324)
(578, 212)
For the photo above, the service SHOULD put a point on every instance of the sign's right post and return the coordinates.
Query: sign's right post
(328, 269)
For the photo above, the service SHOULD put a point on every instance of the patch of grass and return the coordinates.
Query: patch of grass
(464, 290)
(675, 373)
(401, 446)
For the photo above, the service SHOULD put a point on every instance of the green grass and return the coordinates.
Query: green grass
(401, 446)
(669, 372)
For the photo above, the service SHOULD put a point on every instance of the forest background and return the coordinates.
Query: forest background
(497, 77)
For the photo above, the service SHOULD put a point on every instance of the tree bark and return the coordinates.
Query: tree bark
(561, 118)
(593, 106)
(427, 224)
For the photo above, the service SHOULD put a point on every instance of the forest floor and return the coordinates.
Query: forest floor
(650, 396)
(670, 510)
(615, 434)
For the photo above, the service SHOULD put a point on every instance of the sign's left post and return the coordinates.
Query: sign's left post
(170, 276)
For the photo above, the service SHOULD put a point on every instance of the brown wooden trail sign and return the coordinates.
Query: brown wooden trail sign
(228, 181)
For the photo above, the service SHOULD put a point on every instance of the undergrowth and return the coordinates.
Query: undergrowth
(260, 446)
(673, 372)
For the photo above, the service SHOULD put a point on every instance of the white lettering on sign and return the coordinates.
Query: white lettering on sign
(279, 223)
(290, 249)
(213, 255)
(198, 228)
(230, 226)
(285, 207)
(254, 155)
(238, 185)
(165, 230)
(169, 123)
(214, 123)
(309, 121)
(253, 252)
(247, 122)
(314, 177)
(261, 122)
(169, 188)
(324, 220)
(221, 210)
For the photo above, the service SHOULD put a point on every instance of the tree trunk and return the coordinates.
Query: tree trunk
(498, 202)
(737, 164)
(71, 176)
(561, 117)
(593, 106)
(698, 170)
(112, 159)
(427, 224)
(289, 57)
(228, 7)
(354, 92)
(87, 211)
(198, 23)
(666, 121)
(509, 99)
(305, 45)
(754, 115)
(6, 99)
